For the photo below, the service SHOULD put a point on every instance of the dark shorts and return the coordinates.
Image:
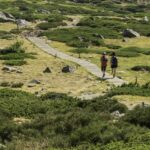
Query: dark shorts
(114, 66)
(103, 68)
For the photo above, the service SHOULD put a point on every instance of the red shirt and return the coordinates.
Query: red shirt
(104, 61)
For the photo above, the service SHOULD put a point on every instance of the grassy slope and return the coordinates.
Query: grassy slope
(124, 63)
(75, 83)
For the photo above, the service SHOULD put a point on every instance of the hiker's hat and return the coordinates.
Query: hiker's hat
(104, 53)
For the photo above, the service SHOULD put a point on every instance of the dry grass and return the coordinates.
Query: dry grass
(21, 120)
(132, 101)
(138, 42)
(7, 26)
(125, 64)
(74, 83)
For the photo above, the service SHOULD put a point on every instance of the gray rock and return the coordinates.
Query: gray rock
(98, 35)
(34, 81)
(67, 69)
(22, 23)
(130, 33)
(81, 39)
(9, 69)
(116, 114)
(124, 40)
(47, 70)
(6, 17)
(9, 15)
(43, 11)
(2, 147)
(119, 77)
(146, 19)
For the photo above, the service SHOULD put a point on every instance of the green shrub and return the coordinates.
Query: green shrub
(15, 62)
(65, 121)
(18, 103)
(146, 53)
(15, 55)
(131, 89)
(126, 54)
(5, 35)
(111, 46)
(83, 35)
(48, 25)
(131, 51)
(14, 48)
(55, 96)
(140, 115)
(141, 68)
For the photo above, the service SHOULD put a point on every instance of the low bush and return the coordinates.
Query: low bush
(146, 53)
(14, 48)
(141, 68)
(131, 51)
(5, 35)
(64, 121)
(15, 62)
(84, 35)
(15, 55)
(48, 25)
(131, 89)
(17, 103)
(111, 46)
(116, 24)
(140, 115)
(126, 54)
(55, 96)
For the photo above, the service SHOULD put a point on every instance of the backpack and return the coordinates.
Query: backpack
(114, 61)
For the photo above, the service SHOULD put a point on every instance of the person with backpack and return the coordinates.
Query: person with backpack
(114, 64)
(104, 61)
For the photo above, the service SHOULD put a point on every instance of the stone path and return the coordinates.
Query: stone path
(90, 67)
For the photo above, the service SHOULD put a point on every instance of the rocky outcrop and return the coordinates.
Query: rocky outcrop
(98, 35)
(116, 114)
(10, 69)
(6, 17)
(146, 19)
(67, 69)
(130, 33)
(22, 23)
(47, 70)
(34, 81)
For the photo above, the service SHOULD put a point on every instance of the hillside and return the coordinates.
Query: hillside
(52, 93)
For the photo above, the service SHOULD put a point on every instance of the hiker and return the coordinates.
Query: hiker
(114, 64)
(104, 61)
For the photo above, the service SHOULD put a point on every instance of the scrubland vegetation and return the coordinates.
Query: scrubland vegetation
(14, 55)
(65, 122)
(41, 117)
